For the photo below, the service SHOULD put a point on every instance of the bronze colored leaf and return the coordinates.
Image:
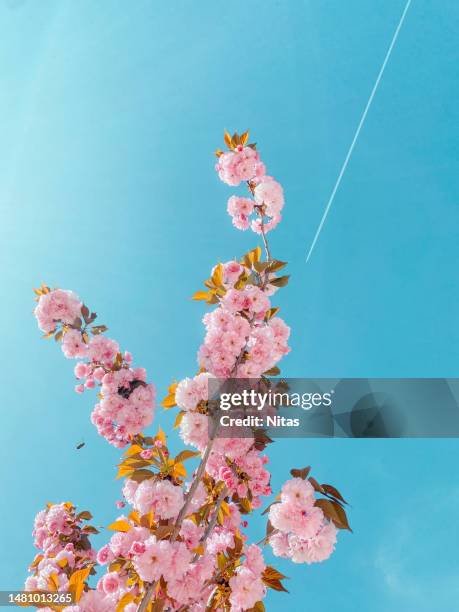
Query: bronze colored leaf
(85, 313)
(316, 485)
(157, 605)
(300, 473)
(270, 573)
(163, 531)
(217, 275)
(272, 312)
(269, 528)
(281, 281)
(254, 255)
(213, 299)
(221, 561)
(276, 265)
(276, 585)
(124, 601)
(330, 490)
(84, 516)
(260, 266)
(274, 371)
(118, 361)
(244, 137)
(178, 418)
(245, 507)
(186, 454)
(134, 449)
(334, 512)
(141, 475)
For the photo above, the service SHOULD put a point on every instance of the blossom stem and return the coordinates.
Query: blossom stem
(213, 521)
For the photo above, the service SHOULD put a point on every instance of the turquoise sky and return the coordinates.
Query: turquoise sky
(110, 113)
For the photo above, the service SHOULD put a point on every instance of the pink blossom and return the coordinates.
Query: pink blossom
(231, 272)
(254, 559)
(161, 496)
(151, 563)
(240, 206)
(81, 370)
(288, 517)
(279, 544)
(241, 165)
(57, 305)
(241, 222)
(102, 349)
(73, 345)
(270, 193)
(194, 429)
(298, 492)
(95, 601)
(137, 548)
(315, 549)
(191, 533)
(246, 590)
(187, 394)
(111, 583)
(105, 555)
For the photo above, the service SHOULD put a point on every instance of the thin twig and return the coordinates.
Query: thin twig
(213, 521)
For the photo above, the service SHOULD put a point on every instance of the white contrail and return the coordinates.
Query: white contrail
(359, 127)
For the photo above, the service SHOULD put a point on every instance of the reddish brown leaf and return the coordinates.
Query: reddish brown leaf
(300, 473)
(334, 512)
(333, 492)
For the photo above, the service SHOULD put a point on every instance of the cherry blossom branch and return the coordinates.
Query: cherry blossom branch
(213, 521)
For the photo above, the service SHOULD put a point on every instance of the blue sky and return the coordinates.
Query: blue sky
(110, 113)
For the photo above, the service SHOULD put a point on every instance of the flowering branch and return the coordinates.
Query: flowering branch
(181, 545)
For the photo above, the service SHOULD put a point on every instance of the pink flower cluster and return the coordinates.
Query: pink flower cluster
(127, 401)
(241, 467)
(303, 533)
(57, 306)
(154, 558)
(243, 164)
(127, 404)
(247, 587)
(66, 548)
(229, 334)
(160, 496)
(267, 205)
(238, 325)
